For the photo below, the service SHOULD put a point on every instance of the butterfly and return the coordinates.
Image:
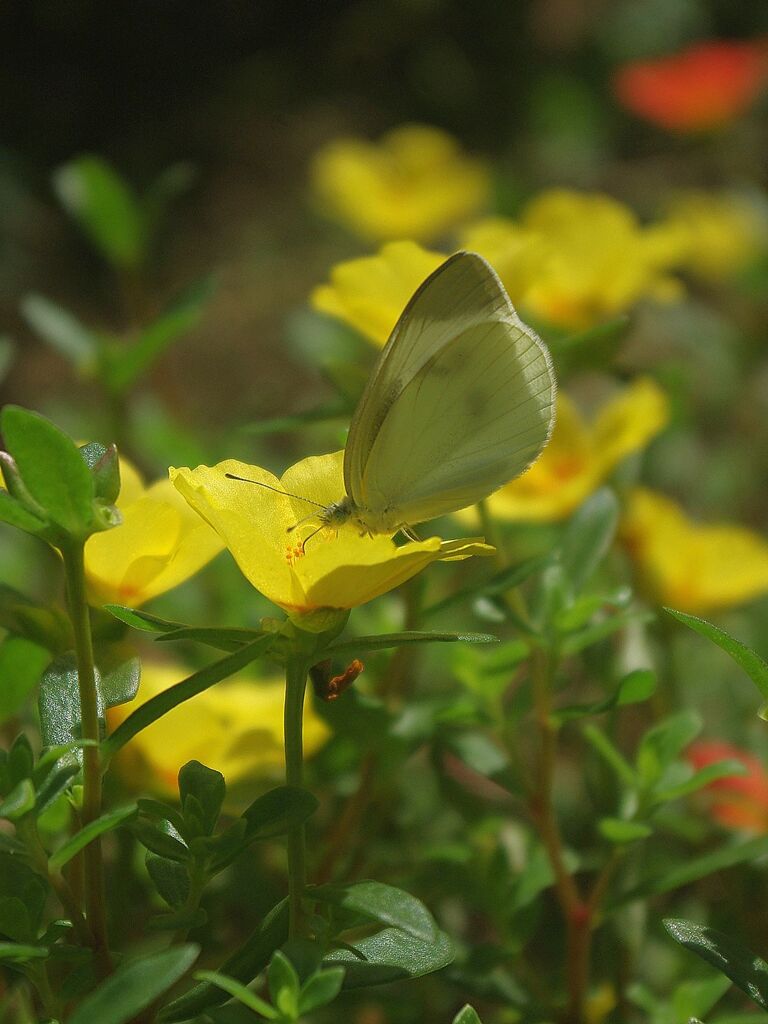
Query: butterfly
(460, 401)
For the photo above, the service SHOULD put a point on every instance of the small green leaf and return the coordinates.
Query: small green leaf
(244, 965)
(15, 951)
(320, 989)
(710, 773)
(129, 363)
(284, 985)
(106, 823)
(120, 677)
(663, 743)
(59, 702)
(142, 620)
(744, 968)
(407, 639)
(99, 199)
(20, 615)
(634, 688)
(52, 469)
(104, 465)
(21, 666)
(616, 830)
(134, 986)
(467, 1015)
(238, 991)
(383, 903)
(588, 537)
(19, 801)
(13, 513)
(170, 878)
(390, 954)
(23, 896)
(207, 786)
(613, 758)
(755, 666)
(501, 582)
(62, 331)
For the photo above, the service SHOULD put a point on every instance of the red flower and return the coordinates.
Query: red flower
(737, 801)
(698, 88)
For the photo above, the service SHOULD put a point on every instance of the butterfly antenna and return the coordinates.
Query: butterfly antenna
(277, 490)
(309, 538)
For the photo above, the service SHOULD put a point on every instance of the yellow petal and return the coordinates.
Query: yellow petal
(626, 423)
(370, 293)
(159, 544)
(690, 566)
(332, 568)
(235, 727)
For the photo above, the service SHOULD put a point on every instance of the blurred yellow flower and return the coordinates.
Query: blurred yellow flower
(689, 566)
(338, 568)
(159, 544)
(414, 183)
(722, 232)
(371, 292)
(235, 727)
(580, 456)
(575, 258)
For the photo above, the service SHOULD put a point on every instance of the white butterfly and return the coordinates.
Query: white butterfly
(460, 402)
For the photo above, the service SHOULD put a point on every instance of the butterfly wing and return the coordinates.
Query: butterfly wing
(460, 402)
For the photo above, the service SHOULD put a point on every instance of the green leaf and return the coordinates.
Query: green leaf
(320, 989)
(170, 878)
(23, 896)
(407, 639)
(120, 677)
(106, 823)
(13, 513)
(19, 801)
(697, 867)
(59, 702)
(617, 830)
(593, 634)
(501, 582)
(744, 968)
(755, 666)
(164, 702)
(710, 773)
(98, 198)
(222, 638)
(47, 627)
(128, 364)
(383, 903)
(244, 965)
(167, 186)
(390, 954)
(692, 998)
(14, 951)
(207, 786)
(21, 665)
(62, 331)
(467, 1015)
(272, 814)
(142, 620)
(104, 465)
(52, 469)
(238, 991)
(663, 743)
(134, 986)
(284, 985)
(588, 537)
(634, 688)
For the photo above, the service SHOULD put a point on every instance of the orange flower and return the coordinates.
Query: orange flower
(701, 87)
(737, 801)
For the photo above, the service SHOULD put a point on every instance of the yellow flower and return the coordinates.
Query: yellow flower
(414, 183)
(159, 544)
(689, 566)
(370, 293)
(576, 258)
(580, 456)
(337, 569)
(722, 232)
(235, 727)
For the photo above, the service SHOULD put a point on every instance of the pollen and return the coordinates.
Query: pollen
(294, 551)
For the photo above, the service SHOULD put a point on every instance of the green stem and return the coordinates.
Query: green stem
(74, 567)
(295, 684)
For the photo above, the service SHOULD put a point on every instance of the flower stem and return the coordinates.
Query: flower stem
(295, 685)
(74, 568)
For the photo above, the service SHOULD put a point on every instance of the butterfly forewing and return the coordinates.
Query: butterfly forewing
(460, 402)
